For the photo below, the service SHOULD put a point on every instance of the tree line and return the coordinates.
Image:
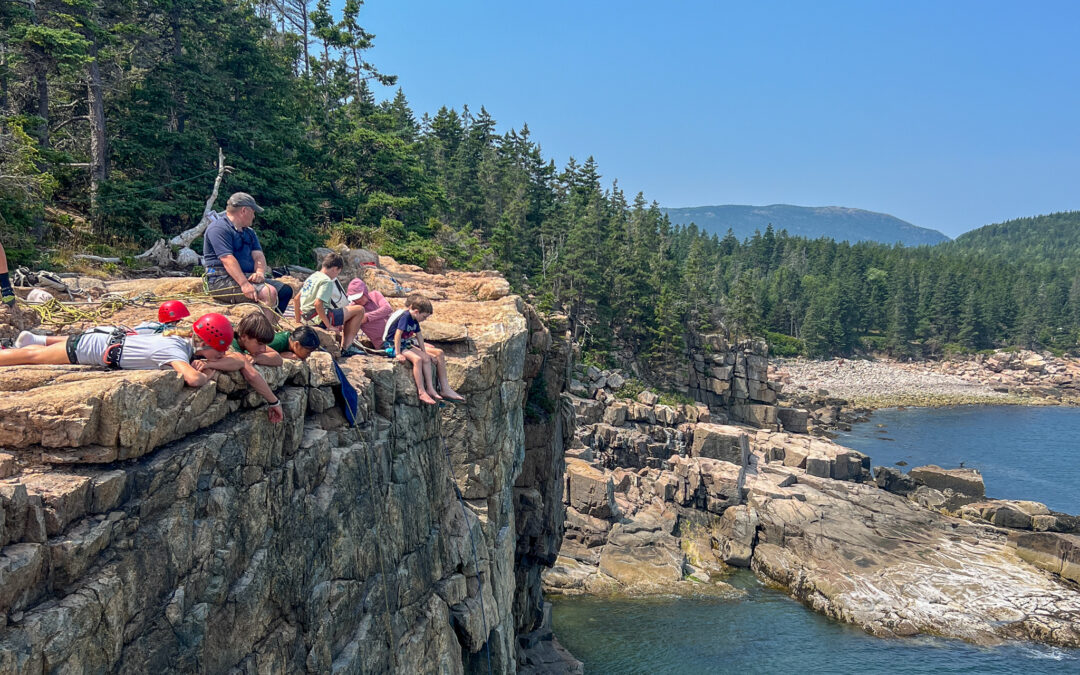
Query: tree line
(112, 111)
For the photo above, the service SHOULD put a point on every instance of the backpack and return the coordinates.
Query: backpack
(387, 334)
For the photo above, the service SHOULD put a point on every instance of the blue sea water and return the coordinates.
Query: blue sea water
(1023, 452)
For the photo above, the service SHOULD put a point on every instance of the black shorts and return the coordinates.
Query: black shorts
(336, 316)
(73, 344)
(225, 290)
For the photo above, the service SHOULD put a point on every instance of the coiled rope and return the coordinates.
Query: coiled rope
(57, 314)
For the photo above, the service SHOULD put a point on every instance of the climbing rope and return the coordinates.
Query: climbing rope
(382, 570)
(59, 314)
(476, 560)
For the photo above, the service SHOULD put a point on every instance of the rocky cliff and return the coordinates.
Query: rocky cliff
(147, 526)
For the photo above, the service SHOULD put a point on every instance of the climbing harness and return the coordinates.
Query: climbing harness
(115, 348)
(476, 560)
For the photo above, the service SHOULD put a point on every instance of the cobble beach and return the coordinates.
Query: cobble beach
(886, 383)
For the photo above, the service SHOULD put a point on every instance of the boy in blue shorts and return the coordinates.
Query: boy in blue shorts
(402, 333)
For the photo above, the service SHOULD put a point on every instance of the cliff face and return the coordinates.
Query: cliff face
(151, 527)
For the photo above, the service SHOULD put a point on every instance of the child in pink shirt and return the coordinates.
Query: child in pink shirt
(376, 310)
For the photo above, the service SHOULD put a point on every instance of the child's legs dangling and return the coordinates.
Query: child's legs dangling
(418, 375)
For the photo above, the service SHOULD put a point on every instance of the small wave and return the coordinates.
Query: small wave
(1041, 652)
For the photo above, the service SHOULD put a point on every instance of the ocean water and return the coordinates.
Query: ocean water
(1028, 453)
(1022, 452)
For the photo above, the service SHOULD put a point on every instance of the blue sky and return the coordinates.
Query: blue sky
(948, 114)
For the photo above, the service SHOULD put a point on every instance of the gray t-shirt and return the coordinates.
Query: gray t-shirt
(141, 352)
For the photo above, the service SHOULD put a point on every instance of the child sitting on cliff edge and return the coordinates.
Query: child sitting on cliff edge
(403, 334)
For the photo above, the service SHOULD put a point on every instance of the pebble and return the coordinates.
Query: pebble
(860, 379)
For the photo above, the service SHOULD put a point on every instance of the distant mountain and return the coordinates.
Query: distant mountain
(835, 222)
(1053, 238)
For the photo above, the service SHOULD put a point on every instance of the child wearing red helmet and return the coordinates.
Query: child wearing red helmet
(169, 315)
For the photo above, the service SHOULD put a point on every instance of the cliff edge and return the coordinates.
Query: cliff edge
(150, 527)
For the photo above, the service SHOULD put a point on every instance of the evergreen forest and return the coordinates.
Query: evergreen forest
(112, 113)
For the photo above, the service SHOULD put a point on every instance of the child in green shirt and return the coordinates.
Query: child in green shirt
(256, 338)
(316, 304)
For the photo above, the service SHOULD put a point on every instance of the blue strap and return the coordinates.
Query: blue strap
(350, 400)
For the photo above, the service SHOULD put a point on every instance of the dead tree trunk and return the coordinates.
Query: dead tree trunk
(99, 166)
(187, 236)
(161, 252)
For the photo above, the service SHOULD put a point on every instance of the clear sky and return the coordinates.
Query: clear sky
(949, 114)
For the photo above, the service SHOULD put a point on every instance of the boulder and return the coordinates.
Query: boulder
(793, 420)
(668, 416)
(717, 441)
(589, 490)
(1034, 363)
(894, 480)
(648, 398)
(720, 483)
(761, 416)
(1051, 551)
(720, 372)
(641, 554)
(615, 414)
(577, 388)
(736, 533)
(719, 387)
(964, 481)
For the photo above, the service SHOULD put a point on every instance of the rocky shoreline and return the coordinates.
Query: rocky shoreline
(1001, 378)
(664, 499)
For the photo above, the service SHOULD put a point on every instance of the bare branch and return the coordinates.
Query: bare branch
(77, 118)
(186, 237)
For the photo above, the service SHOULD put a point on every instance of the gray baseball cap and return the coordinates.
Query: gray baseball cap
(244, 199)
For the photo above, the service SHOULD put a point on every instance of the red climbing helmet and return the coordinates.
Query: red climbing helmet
(172, 310)
(215, 330)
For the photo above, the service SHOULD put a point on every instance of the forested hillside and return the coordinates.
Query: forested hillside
(113, 113)
(835, 222)
(1054, 238)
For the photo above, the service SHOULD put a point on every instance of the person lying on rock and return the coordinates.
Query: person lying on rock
(170, 313)
(196, 358)
(257, 342)
(403, 334)
(318, 302)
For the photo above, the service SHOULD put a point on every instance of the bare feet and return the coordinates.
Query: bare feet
(426, 399)
(452, 395)
(434, 394)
